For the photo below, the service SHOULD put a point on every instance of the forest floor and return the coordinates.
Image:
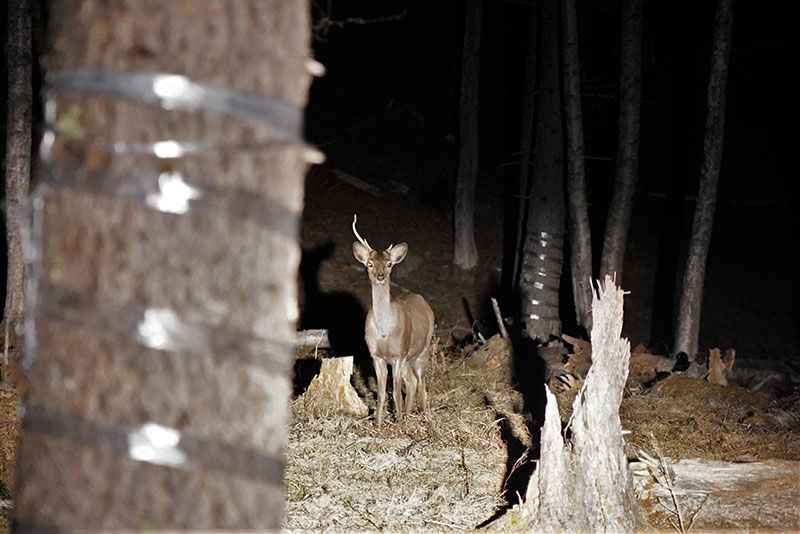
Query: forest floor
(456, 467)
(756, 418)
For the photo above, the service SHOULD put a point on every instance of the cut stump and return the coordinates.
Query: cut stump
(331, 392)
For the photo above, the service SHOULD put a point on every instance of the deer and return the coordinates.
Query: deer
(398, 330)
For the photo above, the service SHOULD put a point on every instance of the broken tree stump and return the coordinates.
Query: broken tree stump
(584, 484)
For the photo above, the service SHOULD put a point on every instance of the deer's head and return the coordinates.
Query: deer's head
(378, 263)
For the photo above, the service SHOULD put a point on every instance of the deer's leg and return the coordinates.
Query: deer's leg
(410, 379)
(381, 372)
(419, 372)
(398, 371)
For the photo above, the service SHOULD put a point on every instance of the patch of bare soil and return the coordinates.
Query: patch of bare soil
(439, 471)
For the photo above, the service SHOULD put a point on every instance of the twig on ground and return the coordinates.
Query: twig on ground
(499, 317)
(662, 467)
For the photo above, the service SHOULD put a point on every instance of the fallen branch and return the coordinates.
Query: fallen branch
(499, 317)
(312, 338)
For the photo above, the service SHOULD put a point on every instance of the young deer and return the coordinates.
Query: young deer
(398, 330)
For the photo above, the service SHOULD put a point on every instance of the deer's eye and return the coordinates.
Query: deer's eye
(369, 265)
(389, 264)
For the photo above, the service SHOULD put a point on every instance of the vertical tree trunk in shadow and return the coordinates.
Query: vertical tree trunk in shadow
(526, 138)
(465, 253)
(627, 170)
(164, 277)
(18, 155)
(687, 329)
(580, 237)
(543, 251)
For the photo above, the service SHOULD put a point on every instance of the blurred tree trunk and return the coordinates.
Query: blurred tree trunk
(687, 328)
(526, 137)
(164, 281)
(619, 211)
(18, 155)
(542, 254)
(580, 236)
(465, 253)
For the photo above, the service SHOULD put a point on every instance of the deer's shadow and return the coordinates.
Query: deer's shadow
(339, 312)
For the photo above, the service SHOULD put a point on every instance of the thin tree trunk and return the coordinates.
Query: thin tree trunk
(543, 251)
(18, 154)
(619, 212)
(526, 137)
(164, 285)
(687, 329)
(580, 236)
(465, 253)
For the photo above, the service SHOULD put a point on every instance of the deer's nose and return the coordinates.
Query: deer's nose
(380, 276)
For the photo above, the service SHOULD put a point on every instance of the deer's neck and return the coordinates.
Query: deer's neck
(382, 311)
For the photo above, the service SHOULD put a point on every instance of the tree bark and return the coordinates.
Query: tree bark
(687, 328)
(164, 278)
(580, 236)
(526, 137)
(465, 253)
(543, 251)
(18, 154)
(619, 211)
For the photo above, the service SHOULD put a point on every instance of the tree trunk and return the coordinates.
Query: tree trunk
(18, 154)
(165, 237)
(619, 211)
(687, 329)
(465, 254)
(580, 236)
(542, 254)
(526, 137)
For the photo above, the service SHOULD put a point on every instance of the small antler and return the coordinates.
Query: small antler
(360, 239)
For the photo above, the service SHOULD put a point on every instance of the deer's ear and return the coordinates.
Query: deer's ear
(398, 252)
(360, 252)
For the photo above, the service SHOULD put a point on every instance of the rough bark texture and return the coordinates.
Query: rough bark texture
(526, 137)
(465, 253)
(687, 328)
(144, 316)
(627, 171)
(585, 486)
(580, 236)
(543, 251)
(18, 153)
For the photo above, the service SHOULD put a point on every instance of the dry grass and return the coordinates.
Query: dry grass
(434, 472)
(691, 418)
(445, 470)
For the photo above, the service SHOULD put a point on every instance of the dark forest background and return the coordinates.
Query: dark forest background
(388, 108)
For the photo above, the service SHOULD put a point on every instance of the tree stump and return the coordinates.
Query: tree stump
(584, 484)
